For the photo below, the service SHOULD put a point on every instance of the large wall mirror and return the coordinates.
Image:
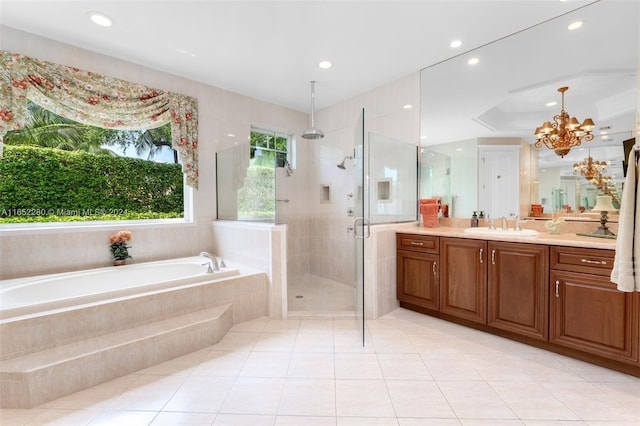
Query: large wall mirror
(478, 121)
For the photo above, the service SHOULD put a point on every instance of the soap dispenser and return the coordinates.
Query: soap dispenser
(474, 220)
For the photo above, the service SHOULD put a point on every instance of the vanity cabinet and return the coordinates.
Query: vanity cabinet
(418, 270)
(587, 312)
(517, 288)
(463, 279)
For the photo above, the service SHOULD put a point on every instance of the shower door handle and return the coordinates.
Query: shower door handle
(365, 222)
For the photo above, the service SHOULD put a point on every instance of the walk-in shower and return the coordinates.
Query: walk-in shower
(319, 204)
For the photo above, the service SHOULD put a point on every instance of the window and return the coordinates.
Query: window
(58, 170)
(257, 198)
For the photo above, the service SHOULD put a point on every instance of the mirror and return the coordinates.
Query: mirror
(503, 98)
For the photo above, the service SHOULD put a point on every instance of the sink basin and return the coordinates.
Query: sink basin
(500, 232)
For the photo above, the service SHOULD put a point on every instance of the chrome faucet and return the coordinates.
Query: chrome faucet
(517, 227)
(505, 225)
(492, 226)
(213, 262)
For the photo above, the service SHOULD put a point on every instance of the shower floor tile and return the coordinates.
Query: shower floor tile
(310, 292)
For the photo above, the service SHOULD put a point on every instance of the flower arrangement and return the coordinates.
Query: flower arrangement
(118, 245)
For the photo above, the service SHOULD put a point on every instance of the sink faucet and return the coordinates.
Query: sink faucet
(492, 226)
(517, 227)
(213, 262)
(505, 226)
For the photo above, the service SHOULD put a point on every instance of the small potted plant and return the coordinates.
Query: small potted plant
(119, 247)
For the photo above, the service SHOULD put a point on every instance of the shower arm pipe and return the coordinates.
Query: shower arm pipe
(313, 104)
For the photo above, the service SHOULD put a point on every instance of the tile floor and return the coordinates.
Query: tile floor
(415, 370)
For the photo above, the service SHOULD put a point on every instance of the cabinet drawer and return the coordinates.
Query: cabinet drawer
(574, 259)
(421, 243)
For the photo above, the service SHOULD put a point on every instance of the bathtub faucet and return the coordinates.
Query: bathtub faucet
(213, 262)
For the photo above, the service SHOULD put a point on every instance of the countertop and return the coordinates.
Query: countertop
(563, 239)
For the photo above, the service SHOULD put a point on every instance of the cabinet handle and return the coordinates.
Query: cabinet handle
(557, 290)
(481, 251)
(493, 257)
(434, 268)
(594, 262)
(413, 243)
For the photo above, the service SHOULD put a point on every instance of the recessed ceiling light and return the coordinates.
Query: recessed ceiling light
(231, 135)
(459, 149)
(575, 25)
(456, 43)
(325, 64)
(473, 61)
(552, 103)
(100, 19)
(408, 106)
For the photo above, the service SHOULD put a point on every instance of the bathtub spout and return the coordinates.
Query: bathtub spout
(213, 262)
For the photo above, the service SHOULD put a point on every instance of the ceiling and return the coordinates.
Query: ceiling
(269, 50)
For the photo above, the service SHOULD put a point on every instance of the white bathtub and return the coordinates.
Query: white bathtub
(32, 295)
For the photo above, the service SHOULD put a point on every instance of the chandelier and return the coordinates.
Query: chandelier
(565, 133)
(590, 168)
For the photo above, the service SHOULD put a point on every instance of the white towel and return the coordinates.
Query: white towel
(626, 264)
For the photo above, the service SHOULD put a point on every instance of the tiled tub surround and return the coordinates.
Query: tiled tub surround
(48, 355)
(33, 295)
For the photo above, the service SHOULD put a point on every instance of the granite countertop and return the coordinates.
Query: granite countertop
(564, 239)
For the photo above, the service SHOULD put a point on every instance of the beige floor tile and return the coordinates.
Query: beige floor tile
(17, 416)
(367, 421)
(181, 365)
(243, 420)
(279, 326)
(475, 400)
(418, 399)
(393, 343)
(531, 400)
(311, 366)
(129, 418)
(251, 395)
(314, 342)
(266, 364)
(427, 422)
(363, 398)
(316, 326)
(148, 393)
(450, 366)
(200, 394)
(305, 421)
(357, 366)
(221, 363)
(237, 341)
(182, 418)
(308, 397)
(403, 367)
(275, 342)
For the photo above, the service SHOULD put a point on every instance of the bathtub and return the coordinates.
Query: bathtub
(38, 294)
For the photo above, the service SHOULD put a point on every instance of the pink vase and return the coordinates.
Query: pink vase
(119, 262)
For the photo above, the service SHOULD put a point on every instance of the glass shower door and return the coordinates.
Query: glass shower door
(361, 221)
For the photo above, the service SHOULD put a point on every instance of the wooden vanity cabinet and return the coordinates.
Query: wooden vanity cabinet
(587, 312)
(517, 288)
(463, 279)
(418, 279)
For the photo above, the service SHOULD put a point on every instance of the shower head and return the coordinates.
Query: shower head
(313, 133)
(341, 165)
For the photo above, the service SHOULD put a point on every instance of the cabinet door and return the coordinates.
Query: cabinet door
(590, 314)
(518, 282)
(463, 278)
(418, 279)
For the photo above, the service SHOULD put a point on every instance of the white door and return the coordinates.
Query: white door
(499, 180)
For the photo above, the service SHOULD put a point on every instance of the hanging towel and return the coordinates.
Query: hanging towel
(626, 264)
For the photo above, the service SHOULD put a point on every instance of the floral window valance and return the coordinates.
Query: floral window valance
(97, 100)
